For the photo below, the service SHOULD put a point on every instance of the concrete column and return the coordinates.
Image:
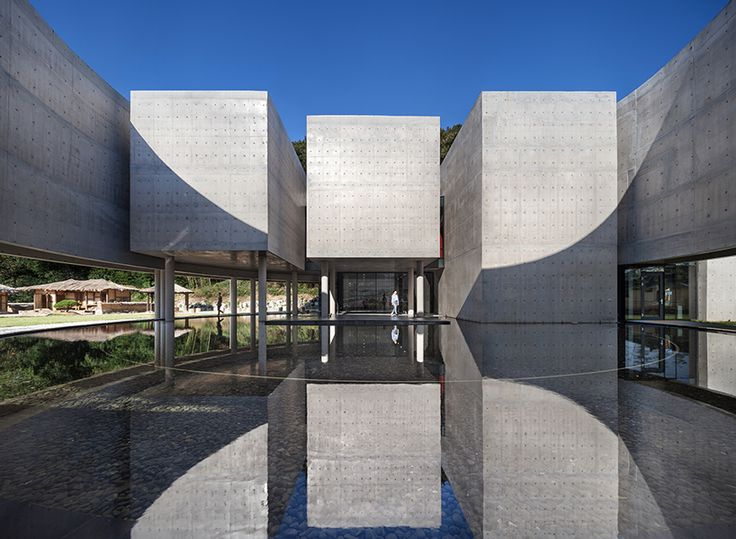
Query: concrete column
(287, 307)
(294, 294)
(262, 286)
(233, 313)
(410, 299)
(168, 312)
(324, 288)
(253, 296)
(333, 290)
(262, 310)
(420, 288)
(157, 313)
(253, 314)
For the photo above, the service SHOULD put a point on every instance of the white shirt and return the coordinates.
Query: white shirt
(395, 299)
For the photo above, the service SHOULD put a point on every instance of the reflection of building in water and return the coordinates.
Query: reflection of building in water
(224, 494)
(536, 454)
(373, 455)
(698, 358)
(703, 290)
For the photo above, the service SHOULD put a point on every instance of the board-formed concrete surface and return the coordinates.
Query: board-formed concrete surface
(373, 187)
(530, 201)
(677, 153)
(64, 149)
(373, 455)
(214, 172)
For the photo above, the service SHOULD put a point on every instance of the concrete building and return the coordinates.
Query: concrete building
(215, 180)
(524, 204)
(372, 206)
(676, 158)
(530, 206)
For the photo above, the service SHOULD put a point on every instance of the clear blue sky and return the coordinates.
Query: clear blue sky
(376, 57)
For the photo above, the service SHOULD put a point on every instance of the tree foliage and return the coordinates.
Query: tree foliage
(300, 146)
(447, 137)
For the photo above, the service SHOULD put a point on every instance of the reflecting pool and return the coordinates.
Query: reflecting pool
(459, 430)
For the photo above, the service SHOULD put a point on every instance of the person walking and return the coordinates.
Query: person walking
(395, 303)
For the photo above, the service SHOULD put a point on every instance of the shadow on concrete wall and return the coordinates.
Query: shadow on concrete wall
(172, 216)
(570, 286)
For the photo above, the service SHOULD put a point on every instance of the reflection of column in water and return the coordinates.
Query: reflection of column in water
(411, 337)
(333, 342)
(421, 330)
(324, 341)
(294, 330)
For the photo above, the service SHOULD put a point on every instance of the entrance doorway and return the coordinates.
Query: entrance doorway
(652, 294)
(370, 291)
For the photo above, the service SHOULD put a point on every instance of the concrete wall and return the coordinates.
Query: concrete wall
(547, 216)
(716, 289)
(677, 153)
(460, 286)
(373, 187)
(64, 148)
(287, 196)
(208, 170)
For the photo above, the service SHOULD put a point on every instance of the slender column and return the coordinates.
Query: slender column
(287, 307)
(157, 313)
(253, 296)
(168, 311)
(252, 314)
(233, 312)
(333, 290)
(420, 289)
(410, 299)
(294, 294)
(324, 297)
(262, 310)
(262, 283)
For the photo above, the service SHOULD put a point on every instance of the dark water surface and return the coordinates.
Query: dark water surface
(463, 430)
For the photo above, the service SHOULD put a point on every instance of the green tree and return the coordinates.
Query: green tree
(300, 146)
(447, 137)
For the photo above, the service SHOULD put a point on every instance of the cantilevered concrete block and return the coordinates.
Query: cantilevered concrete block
(214, 172)
(64, 150)
(373, 455)
(677, 153)
(530, 209)
(373, 187)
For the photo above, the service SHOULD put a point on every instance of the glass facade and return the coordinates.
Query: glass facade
(370, 291)
(659, 292)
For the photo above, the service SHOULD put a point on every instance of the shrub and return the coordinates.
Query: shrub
(65, 304)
